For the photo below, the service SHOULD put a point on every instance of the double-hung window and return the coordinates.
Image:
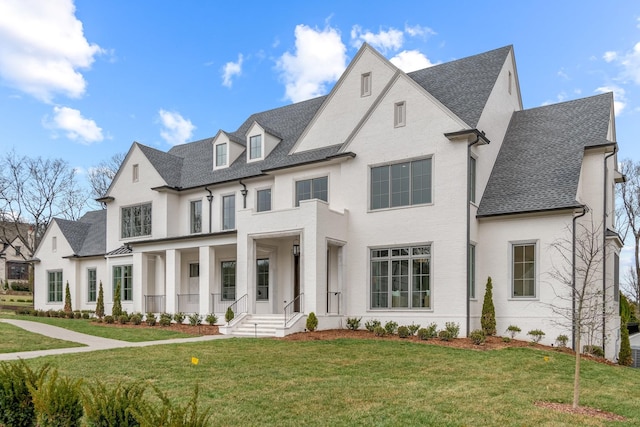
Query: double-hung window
(123, 275)
(229, 212)
(401, 184)
(255, 147)
(55, 286)
(264, 200)
(135, 221)
(316, 188)
(196, 216)
(401, 277)
(524, 270)
(91, 285)
(221, 155)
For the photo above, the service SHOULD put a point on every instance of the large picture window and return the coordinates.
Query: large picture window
(229, 212)
(55, 286)
(316, 188)
(228, 280)
(196, 216)
(401, 184)
(524, 270)
(91, 284)
(401, 277)
(136, 221)
(123, 274)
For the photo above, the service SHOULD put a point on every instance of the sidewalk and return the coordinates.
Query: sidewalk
(91, 342)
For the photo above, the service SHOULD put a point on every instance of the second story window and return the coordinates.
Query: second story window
(316, 188)
(255, 147)
(196, 216)
(18, 250)
(263, 200)
(135, 221)
(401, 184)
(229, 212)
(221, 155)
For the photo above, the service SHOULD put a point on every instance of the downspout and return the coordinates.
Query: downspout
(604, 248)
(469, 145)
(244, 193)
(210, 199)
(585, 209)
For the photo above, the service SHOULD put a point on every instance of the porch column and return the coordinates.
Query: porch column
(139, 280)
(173, 279)
(207, 261)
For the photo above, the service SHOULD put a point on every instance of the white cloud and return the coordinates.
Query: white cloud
(610, 56)
(177, 129)
(562, 73)
(319, 59)
(384, 41)
(411, 60)
(77, 128)
(230, 70)
(629, 61)
(418, 30)
(619, 98)
(42, 47)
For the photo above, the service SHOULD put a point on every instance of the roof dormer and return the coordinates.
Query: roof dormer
(260, 142)
(226, 149)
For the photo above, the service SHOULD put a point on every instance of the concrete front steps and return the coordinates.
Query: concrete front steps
(259, 325)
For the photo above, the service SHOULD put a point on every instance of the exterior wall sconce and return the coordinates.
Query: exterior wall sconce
(296, 250)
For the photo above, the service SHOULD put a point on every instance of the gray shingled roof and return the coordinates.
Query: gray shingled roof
(539, 163)
(168, 166)
(87, 236)
(464, 85)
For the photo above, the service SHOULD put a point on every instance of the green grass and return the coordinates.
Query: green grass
(15, 339)
(105, 331)
(365, 382)
(12, 300)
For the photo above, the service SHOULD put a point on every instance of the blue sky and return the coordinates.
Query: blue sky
(82, 80)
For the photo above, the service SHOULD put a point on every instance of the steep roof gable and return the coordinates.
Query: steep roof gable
(538, 167)
(87, 236)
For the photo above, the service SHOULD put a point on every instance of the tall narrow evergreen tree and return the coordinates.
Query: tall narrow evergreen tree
(117, 305)
(100, 303)
(488, 320)
(624, 356)
(67, 299)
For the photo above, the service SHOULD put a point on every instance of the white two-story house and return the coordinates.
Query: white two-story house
(394, 197)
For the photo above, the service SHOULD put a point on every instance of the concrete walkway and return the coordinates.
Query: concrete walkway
(91, 342)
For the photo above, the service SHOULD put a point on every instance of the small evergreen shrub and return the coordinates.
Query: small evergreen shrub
(512, 330)
(594, 350)
(57, 401)
(165, 319)
(536, 335)
(67, 299)
(123, 319)
(506, 339)
(211, 319)
(453, 329)
(77, 315)
(117, 303)
(391, 327)
(424, 334)
(195, 319)
(488, 319)
(445, 335)
(562, 340)
(413, 328)
(403, 332)
(229, 315)
(478, 336)
(379, 331)
(86, 315)
(170, 414)
(136, 318)
(370, 325)
(312, 322)
(353, 323)
(625, 357)
(151, 319)
(16, 403)
(105, 407)
(100, 302)
(109, 319)
(179, 317)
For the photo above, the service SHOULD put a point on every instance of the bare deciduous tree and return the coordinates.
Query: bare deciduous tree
(628, 215)
(34, 191)
(100, 176)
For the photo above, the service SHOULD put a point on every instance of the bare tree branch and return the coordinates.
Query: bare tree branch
(100, 176)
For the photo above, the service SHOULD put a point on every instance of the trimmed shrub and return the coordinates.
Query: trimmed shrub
(506, 339)
(86, 315)
(424, 334)
(371, 325)
(57, 401)
(379, 331)
(123, 319)
(109, 319)
(391, 327)
(445, 335)
(593, 350)
(100, 302)
(478, 337)
(211, 319)
(624, 355)
(15, 399)
(229, 315)
(77, 315)
(353, 323)
(151, 319)
(403, 332)
(67, 299)
(453, 329)
(488, 319)
(512, 330)
(179, 317)
(117, 303)
(195, 319)
(136, 318)
(169, 414)
(562, 340)
(165, 319)
(112, 407)
(536, 335)
(413, 328)
(312, 322)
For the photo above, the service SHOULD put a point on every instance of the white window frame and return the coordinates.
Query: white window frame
(226, 155)
(399, 114)
(536, 261)
(365, 84)
(250, 158)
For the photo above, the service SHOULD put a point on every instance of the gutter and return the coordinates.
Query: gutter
(604, 248)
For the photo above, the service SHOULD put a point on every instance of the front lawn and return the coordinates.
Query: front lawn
(15, 339)
(366, 382)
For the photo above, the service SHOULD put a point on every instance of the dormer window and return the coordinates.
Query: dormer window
(221, 155)
(365, 84)
(255, 147)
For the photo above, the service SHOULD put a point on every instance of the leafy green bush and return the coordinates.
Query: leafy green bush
(562, 340)
(136, 318)
(179, 317)
(403, 332)
(353, 323)
(16, 403)
(109, 319)
(370, 325)
(211, 319)
(453, 329)
(391, 327)
(424, 334)
(229, 315)
(151, 319)
(594, 350)
(195, 319)
(478, 336)
(77, 315)
(169, 414)
(379, 331)
(165, 319)
(312, 322)
(512, 330)
(445, 335)
(536, 335)
(506, 339)
(413, 328)
(57, 401)
(123, 318)
(112, 407)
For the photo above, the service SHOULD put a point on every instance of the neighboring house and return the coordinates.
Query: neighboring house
(393, 198)
(14, 254)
